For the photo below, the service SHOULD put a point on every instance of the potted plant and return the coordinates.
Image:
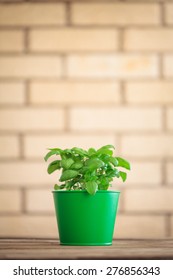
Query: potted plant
(85, 208)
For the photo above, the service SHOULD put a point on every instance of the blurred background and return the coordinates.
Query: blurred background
(86, 73)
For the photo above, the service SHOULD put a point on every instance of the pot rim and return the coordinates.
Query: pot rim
(82, 191)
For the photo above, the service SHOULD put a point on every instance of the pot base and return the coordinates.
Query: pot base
(86, 244)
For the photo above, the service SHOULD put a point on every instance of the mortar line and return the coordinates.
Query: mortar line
(120, 39)
(118, 140)
(161, 66)
(27, 92)
(66, 120)
(122, 93)
(168, 225)
(21, 146)
(162, 14)
(64, 72)
(23, 200)
(163, 167)
(68, 13)
(26, 40)
(164, 119)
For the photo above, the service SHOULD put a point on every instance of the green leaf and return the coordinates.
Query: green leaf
(113, 173)
(91, 151)
(123, 175)
(91, 187)
(52, 152)
(54, 165)
(107, 147)
(104, 183)
(94, 163)
(123, 163)
(106, 150)
(114, 161)
(67, 151)
(68, 174)
(66, 163)
(105, 158)
(90, 175)
(57, 187)
(77, 165)
(68, 185)
(79, 151)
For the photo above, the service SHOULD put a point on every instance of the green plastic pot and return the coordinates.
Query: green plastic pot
(86, 220)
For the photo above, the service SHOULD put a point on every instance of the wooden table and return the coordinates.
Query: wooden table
(50, 249)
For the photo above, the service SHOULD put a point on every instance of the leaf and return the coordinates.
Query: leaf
(107, 147)
(68, 174)
(113, 173)
(91, 187)
(104, 183)
(59, 187)
(54, 165)
(123, 163)
(106, 150)
(56, 187)
(114, 161)
(90, 175)
(94, 163)
(79, 151)
(105, 158)
(67, 151)
(91, 151)
(123, 175)
(77, 165)
(54, 151)
(66, 163)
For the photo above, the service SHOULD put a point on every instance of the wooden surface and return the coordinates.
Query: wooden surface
(50, 249)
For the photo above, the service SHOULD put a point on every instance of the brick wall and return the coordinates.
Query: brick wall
(86, 73)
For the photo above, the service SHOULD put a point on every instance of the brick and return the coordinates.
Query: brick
(62, 40)
(9, 147)
(148, 39)
(26, 174)
(169, 173)
(140, 226)
(149, 200)
(168, 65)
(10, 201)
(118, 66)
(74, 93)
(11, 41)
(127, 226)
(35, 145)
(155, 92)
(30, 14)
(28, 226)
(168, 13)
(12, 93)
(147, 146)
(26, 119)
(145, 173)
(170, 118)
(115, 119)
(39, 201)
(30, 66)
(115, 14)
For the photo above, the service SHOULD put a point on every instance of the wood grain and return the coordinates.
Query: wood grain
(51, 249)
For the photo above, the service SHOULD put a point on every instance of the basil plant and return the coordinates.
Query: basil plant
(89, 170)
